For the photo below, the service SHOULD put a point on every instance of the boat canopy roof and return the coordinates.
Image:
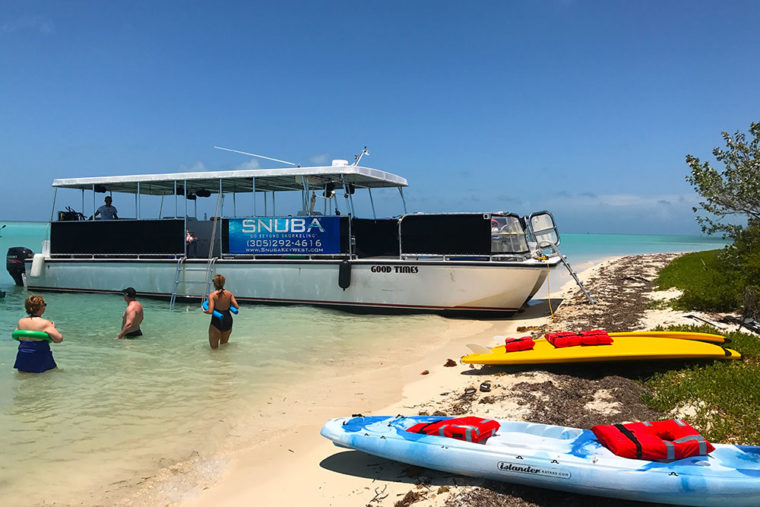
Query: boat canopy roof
(266, 180)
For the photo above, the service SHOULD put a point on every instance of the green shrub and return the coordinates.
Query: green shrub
(704, 281)
(744, 259)
(719, 280)
(725, 395)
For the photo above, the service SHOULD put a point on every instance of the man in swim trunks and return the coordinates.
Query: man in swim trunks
(132, 317)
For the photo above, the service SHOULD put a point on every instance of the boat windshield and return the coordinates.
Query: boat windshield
(507, 235)
(544, 229)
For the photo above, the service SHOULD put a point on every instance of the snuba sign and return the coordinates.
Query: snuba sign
(290, 235)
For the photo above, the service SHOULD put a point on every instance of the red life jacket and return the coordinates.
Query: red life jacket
(470, 428)
(560, 340)
(595, 337)
(656, 440)
(515, 344)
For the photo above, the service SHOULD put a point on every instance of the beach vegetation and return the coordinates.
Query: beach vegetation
(732, 192)
(718, 280)
(705, 282)
(728, 196)
(657, 304)
(721, 398)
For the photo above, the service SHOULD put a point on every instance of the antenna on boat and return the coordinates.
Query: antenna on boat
(260, 156)
(358, 157)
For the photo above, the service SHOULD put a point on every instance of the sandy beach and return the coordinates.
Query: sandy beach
(280, 458)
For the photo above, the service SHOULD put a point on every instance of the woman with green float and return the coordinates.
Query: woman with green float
(34, 335)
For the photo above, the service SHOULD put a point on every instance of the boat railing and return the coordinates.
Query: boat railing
(119, 256)
(275, 257)
(498, 237)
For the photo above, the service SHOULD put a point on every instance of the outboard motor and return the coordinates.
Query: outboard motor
(15, 262)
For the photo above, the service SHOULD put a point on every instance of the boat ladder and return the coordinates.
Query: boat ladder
(210, 263)
(208, 269)
(570, 269)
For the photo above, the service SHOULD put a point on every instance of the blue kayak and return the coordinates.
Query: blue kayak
(556, 457)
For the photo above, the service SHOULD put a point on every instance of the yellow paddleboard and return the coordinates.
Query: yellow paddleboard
(624, 348)
(681, 335)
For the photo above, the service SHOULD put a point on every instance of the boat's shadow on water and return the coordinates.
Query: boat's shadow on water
(489, 493)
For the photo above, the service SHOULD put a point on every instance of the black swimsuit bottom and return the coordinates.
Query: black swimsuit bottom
(225, 323)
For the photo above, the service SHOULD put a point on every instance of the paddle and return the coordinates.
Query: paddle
(700, 319)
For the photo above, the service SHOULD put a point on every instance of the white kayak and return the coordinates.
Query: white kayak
(556, 457)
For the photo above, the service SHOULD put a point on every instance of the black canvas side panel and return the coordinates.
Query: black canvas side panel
(461, 234)
(118, 237)
(375, 237)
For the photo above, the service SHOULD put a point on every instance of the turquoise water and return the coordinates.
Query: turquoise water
(581, 248)
(117, 410)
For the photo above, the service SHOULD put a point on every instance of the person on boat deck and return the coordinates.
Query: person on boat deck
(34, 355)
(132, 317)
(107, 212)
(192, 244)
(220, 300)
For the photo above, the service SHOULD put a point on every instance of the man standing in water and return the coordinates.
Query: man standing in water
(132, 317)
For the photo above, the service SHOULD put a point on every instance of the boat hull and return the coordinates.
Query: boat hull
(566, 459)
(483, 287)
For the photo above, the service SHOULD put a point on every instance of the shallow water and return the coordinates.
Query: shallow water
(116, 410)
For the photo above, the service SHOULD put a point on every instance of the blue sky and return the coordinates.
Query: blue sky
(585, 108)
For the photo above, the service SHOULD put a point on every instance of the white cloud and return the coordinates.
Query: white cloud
(320, 159)
(249, 164)
(635, 201)
(196, 167)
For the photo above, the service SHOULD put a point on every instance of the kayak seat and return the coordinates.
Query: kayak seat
(469, 429)
(657, 440)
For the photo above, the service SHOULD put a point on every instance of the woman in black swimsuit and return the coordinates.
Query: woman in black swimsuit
(220, 300)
